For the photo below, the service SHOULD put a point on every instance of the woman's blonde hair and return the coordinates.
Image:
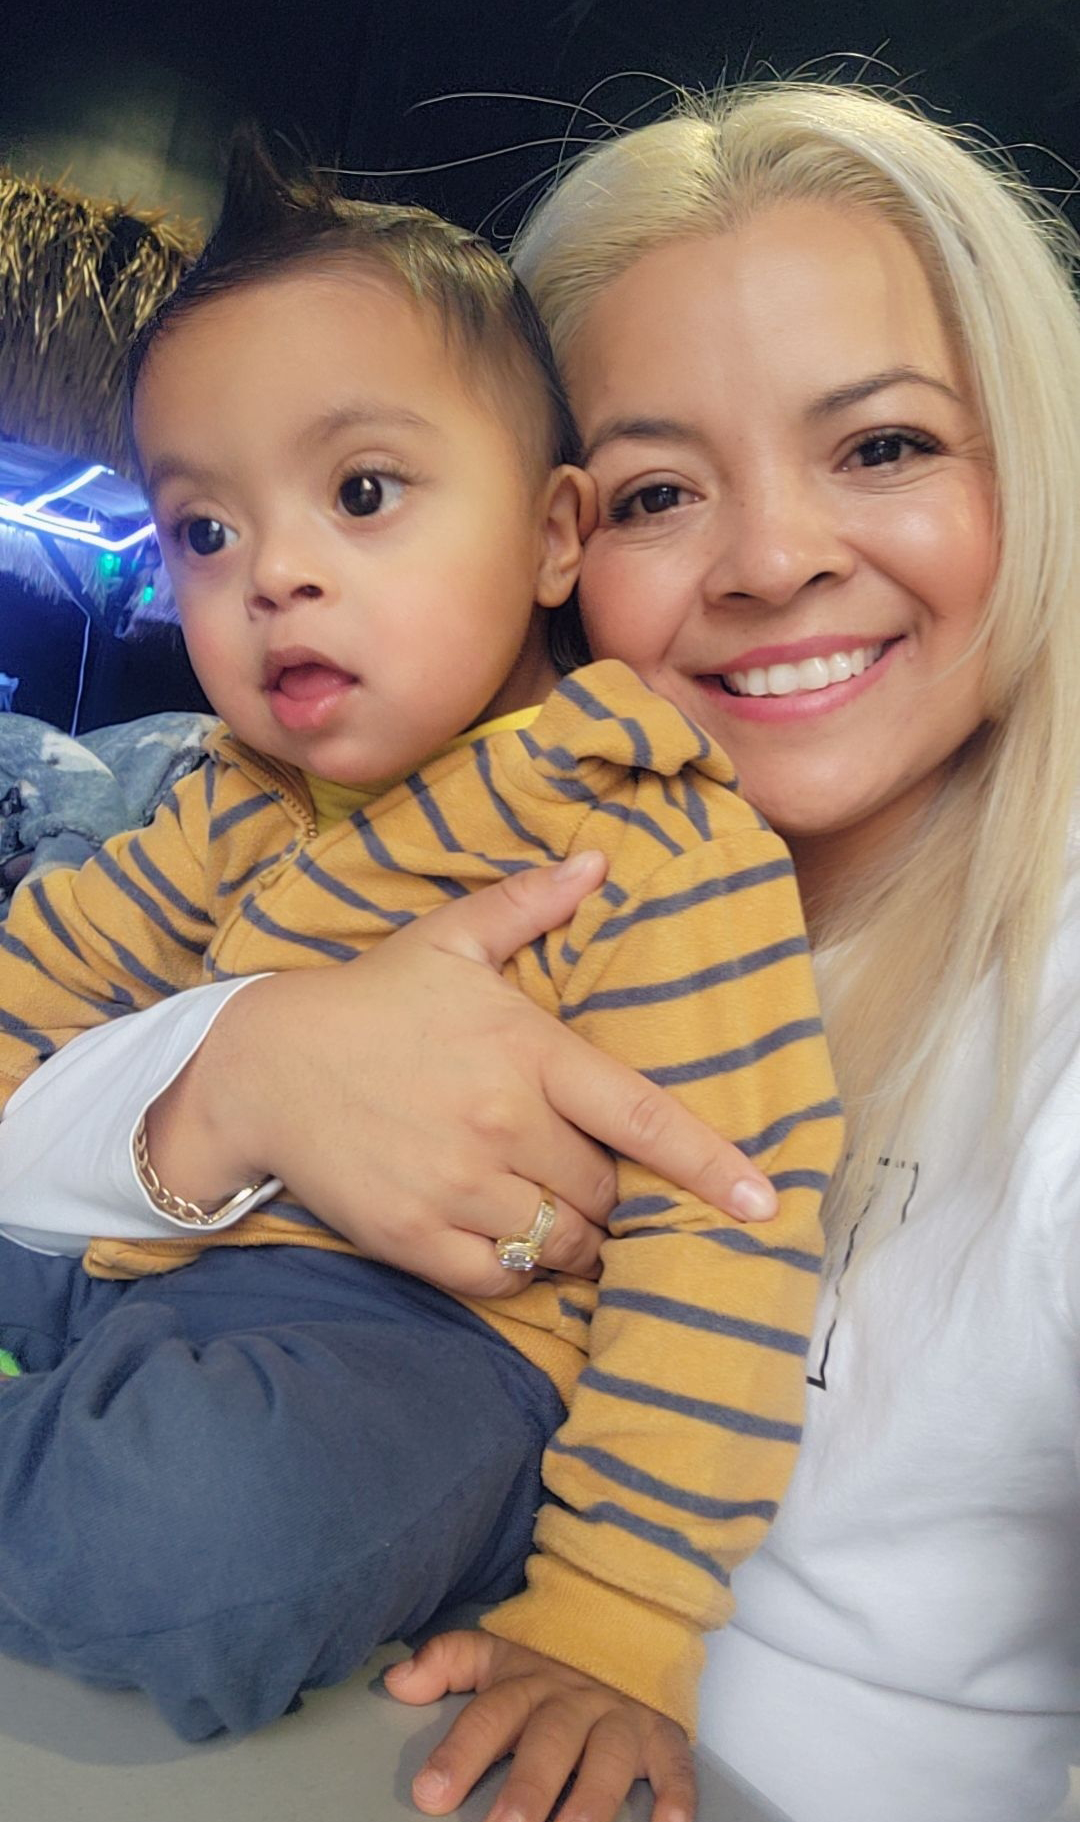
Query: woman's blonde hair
(977, 882)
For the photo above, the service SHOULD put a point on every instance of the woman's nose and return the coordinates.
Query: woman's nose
(780, 536)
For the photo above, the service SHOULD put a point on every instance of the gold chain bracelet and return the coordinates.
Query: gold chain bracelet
(178, 1206)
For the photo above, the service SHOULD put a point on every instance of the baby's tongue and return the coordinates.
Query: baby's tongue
(302, 681)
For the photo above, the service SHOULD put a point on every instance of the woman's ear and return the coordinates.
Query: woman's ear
(568, 513)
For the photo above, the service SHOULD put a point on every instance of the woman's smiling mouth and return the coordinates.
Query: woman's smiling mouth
(816, 673)
(776, 688)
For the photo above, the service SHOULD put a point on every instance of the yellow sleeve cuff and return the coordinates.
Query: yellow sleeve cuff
(644, 1651)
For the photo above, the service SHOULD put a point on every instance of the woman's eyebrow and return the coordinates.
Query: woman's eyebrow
(839, 398)
(643, 430)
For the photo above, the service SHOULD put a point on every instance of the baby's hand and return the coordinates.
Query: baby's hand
(553, 1719)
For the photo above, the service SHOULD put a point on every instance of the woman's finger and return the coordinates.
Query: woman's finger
(492, 925)
(627, 1113)
(600, 1096)
(551, 1152)
(457, 1261)
(536, 1147)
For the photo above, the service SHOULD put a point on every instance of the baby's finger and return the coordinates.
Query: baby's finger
(484, 1732)
(669, 1767)
(608, 1768)
(549, 1747)
(452, 1661)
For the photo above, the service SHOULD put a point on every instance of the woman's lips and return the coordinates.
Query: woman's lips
(800, 705)
(304, 695)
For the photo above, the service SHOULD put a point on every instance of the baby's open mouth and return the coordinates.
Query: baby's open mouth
(303, 682)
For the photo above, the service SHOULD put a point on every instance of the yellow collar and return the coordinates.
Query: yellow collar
(333, 802)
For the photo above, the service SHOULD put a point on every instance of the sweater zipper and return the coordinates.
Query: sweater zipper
(277, 783)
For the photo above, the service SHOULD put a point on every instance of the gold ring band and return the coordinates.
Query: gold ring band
(521, 1252)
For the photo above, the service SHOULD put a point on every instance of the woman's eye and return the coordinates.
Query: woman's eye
(659, 497)
(887, 447)
(361, 495)
(205, 536)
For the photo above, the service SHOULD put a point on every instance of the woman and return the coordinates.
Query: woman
(829, 375)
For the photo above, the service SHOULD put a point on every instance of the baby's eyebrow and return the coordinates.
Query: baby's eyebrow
(365, 415)
(175, 468)
(840, 397)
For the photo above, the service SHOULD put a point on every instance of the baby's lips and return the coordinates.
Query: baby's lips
(302, 682)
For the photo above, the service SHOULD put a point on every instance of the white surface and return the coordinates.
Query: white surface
(72, 1754)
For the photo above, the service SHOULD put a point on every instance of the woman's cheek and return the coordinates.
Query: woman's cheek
(614, 595)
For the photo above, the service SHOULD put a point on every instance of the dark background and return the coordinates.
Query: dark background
(135, 103)
(143, 96)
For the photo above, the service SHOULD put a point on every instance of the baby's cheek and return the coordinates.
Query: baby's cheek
(209, 650)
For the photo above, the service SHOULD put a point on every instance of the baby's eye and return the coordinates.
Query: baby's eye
(658, 497)
(205, 536)
(888, 447)
(361, 495)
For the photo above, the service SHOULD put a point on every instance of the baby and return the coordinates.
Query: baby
(361, 465)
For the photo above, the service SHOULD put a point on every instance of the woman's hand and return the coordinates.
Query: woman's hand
(553, 1719)
(415, 1101)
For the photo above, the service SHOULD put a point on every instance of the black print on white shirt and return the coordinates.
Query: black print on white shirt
(886, 1208)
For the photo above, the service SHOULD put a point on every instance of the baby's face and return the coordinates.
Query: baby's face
(354, 538)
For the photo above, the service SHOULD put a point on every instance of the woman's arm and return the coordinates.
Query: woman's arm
(412, 1099)
(66, 1170)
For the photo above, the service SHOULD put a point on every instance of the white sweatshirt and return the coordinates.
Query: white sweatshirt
(906, 1643)
(906, 1646)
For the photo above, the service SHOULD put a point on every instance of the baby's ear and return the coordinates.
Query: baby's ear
(569, 515)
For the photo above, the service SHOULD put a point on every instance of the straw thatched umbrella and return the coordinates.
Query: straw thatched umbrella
(77, 281)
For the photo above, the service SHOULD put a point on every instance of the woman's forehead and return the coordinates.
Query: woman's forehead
(804, 297)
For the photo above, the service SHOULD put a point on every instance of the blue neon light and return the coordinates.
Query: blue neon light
(35, 515)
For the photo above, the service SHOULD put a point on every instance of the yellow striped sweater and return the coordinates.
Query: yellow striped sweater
(683, 1368)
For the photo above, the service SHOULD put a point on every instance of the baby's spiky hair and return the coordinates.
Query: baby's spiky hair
(270, 223)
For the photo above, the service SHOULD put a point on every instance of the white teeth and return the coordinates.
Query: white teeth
(808, 674)
(782, 679)
(814, 674)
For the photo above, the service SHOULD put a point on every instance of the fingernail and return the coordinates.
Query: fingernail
(752, 1199)
(430, 1784)
(396, 1673)
(578, 864)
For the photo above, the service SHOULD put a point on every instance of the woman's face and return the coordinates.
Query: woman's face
(796, 534)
